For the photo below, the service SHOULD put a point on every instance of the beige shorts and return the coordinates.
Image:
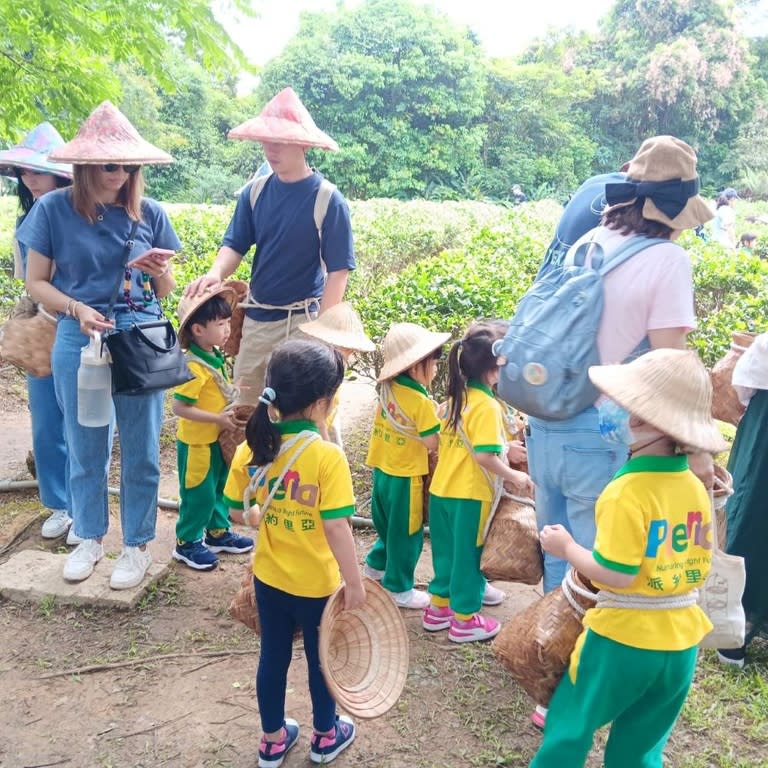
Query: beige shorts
(259, 339)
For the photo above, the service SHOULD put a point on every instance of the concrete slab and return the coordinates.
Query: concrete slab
(31, 575)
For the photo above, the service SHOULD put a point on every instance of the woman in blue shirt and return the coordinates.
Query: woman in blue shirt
(76, 240)
(35, 177)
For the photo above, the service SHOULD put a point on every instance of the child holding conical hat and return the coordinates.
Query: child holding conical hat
(633, 664)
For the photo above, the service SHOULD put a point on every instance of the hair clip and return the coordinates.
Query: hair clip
(267, 396)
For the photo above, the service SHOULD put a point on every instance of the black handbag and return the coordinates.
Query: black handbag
(146, 357)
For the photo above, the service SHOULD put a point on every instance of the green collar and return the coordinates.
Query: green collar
(475, 384)
(654, 464)
(407, 381)
(215, 359)
(295, 426)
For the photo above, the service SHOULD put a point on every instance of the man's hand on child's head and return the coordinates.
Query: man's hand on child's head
(555, 540)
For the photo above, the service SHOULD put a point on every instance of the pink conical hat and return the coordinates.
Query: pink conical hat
(32, 152)
(107, 136)
(284, 120)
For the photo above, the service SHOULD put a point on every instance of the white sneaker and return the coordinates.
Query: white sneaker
(372, 573)
(413, 598)
(72, 538)
(56, 525)
(131, 568)
(81, 562)
(492, 595)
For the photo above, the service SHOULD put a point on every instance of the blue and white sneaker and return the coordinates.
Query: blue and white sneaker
(324, 747)
(229, 541)
(272, 753)
(195, 555)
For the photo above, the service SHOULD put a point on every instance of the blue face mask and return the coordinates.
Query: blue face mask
(614, 423)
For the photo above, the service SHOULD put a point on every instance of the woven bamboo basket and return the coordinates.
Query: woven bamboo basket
(26, 338)
(726, 405)
(364, 652)
(232, 346)
(512, 551)
(536, 645)
(243, 606)
(229, 439)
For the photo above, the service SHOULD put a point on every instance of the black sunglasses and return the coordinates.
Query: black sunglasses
(113, 167)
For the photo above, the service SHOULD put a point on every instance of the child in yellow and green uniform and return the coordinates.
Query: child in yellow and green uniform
(201, 406)
(303, 487)
(404, 430)
(340, 327)
(633, 664)
(471, 466)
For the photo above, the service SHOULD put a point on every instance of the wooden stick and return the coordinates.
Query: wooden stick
(145, 660)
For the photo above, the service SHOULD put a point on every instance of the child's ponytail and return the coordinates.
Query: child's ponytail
(261, 434)
(457, 386)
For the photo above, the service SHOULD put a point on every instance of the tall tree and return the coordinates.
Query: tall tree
(397, 85)
(56, 56)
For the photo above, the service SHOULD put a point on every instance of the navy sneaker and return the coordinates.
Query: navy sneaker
(325, 748)
(195, 555)
(229, 541)
(272, 753)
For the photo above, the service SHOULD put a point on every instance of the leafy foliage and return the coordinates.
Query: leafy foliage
(56, 57)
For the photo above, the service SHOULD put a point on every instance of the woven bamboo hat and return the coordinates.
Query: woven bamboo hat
(670, 389)
(31, 153)
(364, 653)
(284, 120)
(340, 327)
(663, 172)
(405, 344)
(107, 136)
(188, 305)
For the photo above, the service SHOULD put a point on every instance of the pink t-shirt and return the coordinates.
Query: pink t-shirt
(650, 291)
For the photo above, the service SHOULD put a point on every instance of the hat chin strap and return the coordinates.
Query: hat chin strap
(635, 448)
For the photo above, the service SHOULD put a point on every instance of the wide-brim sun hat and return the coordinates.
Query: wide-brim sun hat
(670, 389)
(31, 153)
(364, 652)
(107, 136)
(340, 327)
(188, 305)
(405, 345)
(284, 120)
(663, 172)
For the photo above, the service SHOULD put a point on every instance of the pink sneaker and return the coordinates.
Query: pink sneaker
(436, 618)
(492, 595)
(539, 716)
(477, 628)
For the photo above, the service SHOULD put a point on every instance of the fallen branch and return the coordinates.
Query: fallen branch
(47, 765)
(150, 728)
(144, 660)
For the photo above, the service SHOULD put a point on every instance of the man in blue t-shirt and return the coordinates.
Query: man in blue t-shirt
(302, 258)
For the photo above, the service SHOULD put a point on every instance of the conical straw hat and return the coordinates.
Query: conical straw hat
(405, 344)
(669, 389)
(32, 153)
(284, 120)
(188, 305)
(364, 653)
(107, 136)
(340, 327)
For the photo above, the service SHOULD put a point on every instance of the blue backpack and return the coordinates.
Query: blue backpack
(552, 339)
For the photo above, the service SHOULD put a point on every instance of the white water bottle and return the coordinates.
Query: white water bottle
(94, 385)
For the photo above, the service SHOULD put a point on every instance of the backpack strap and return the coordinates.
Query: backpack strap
(257, 186)
(625, 252)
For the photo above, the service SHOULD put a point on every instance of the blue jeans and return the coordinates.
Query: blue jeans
(139, 418)
(570, 464)
(279, 614)
(48, 442)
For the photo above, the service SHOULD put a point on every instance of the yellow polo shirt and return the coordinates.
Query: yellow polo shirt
(458, 475)
(292, 553)
(654, 521)
(203, 392)
(390, 450)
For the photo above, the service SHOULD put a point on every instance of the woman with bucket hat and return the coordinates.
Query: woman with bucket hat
(648, 304)
(35, 176)
(78, 240)
(303, 257)
(634, 662)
